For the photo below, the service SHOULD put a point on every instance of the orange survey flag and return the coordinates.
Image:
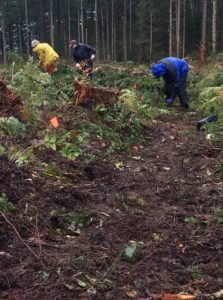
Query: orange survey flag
(54, 122)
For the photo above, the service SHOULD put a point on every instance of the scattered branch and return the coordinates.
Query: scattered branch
(20, 238)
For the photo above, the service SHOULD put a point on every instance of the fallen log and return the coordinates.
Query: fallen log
(91, 95)
(10, 104)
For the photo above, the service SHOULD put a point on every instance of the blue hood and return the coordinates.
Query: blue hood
(159, 70)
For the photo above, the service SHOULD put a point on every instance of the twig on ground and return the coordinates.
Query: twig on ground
(38, 236)
(208, 147)
(20, 238)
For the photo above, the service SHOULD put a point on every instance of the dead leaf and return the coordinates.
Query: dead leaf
(131, 294)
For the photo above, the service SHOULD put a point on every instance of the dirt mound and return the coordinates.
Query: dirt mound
(10, 104)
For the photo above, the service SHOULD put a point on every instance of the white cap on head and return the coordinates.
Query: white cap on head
(34, 43)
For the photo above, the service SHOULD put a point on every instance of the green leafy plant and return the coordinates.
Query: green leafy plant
(219, 215)
(5, 204)
(50, 141)
(11, 126)
(70, 151)
(20, 156)
(191, 220)
(2, 150)
(195, 272)
(53, 170)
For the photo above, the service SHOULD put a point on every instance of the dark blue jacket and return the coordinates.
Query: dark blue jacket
(172, 69)
(82, 52)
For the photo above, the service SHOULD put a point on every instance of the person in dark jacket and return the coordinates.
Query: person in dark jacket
(174, 72)
(83, 55)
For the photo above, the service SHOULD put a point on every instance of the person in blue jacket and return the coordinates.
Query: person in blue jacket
(174, 72)
(83, 55)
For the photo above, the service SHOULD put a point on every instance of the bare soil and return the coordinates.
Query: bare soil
(166, 195)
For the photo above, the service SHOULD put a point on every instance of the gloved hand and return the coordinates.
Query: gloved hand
(169, 101)
(92, 56)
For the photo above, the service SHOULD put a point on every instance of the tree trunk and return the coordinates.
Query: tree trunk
(204, 21)
(90, 95)
(115, 42)
(184, 26)
(151, 36)
(97, 29)
(178, 26)
(125, 31)
(113, 33)
(19, 27)
(82, 22)
(214, 26)
(130, 28)
(27, 27)
(69, 20)
(86, 35)
(41, 21)
(108, 35)
(3, 32)
(102, 33)
(140, 40)
(78, 24)
(171, 28)
(51, 24)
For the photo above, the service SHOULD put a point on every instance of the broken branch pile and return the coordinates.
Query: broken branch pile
(10, 104)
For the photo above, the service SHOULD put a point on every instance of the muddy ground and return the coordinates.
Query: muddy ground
(166, 195)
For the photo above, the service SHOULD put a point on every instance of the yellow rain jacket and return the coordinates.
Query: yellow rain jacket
(46, 55)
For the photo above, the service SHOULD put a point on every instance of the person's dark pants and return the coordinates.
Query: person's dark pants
(171, 91)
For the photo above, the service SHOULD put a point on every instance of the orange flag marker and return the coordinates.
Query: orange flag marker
(54, 122)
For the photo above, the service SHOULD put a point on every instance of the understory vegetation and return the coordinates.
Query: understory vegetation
(101, 195)
(116, 127)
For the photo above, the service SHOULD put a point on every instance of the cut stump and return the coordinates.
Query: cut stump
(10, 104)
(90, 95)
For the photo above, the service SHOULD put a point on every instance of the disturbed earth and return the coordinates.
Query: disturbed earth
(67, 238)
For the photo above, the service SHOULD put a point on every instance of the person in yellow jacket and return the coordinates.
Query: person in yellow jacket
(48, 58)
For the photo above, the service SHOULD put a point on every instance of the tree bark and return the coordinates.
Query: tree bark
(125, 31)
(82, 22)
(108, 32)
(19, 27)
(130, 28)
(97, 29)
(214, 26)
(51, 24)
(69, 20)
(102, 33)
(184, 27)
(78, 24)
(113, 32)
(178, 26)
(115, 43)
(90, 95)
(171, 28)
(3, 32)
(27, 27)
(151, 36)
(41, 21)
(204, 23)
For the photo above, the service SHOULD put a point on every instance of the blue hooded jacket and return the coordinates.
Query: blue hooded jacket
(172, 69)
